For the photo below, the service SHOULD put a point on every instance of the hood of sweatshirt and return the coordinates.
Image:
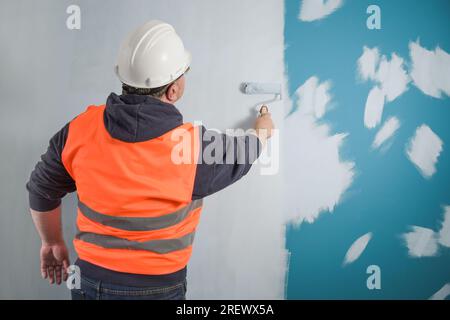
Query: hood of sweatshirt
(137, 118)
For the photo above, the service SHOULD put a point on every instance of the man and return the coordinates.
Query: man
(139, 193)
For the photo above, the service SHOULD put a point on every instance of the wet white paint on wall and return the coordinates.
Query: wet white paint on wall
(321, 177)
(430, 70)
(390, 79)
(357, 248)
(239, 248)
(311, 10)
(425, 242)
(313, 97)
(374, 107)
(424, 149)
(386, 132)
(444, 233)
(442, 293)
(421, 242)
(368, 63)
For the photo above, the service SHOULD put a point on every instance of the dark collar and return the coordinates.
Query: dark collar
(136, 118)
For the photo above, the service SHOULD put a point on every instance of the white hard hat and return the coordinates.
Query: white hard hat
(152, 56)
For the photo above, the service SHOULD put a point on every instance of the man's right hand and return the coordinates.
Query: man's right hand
(54, 262)
(264, 124)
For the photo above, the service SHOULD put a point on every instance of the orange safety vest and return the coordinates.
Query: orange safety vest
(135, 212)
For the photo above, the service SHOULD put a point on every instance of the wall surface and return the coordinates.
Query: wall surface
(369, 183)
(49, 74)
(361, 198)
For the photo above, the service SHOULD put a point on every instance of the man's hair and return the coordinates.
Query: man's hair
(154, 92)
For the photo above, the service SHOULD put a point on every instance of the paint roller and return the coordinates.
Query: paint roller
(263, 88)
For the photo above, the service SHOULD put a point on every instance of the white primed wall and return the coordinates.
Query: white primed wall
(49, 74)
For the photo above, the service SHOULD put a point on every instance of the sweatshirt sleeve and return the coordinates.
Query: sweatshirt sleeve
(225, 160)
(50, 181)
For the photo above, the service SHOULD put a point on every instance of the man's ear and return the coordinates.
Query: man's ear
(172, 92)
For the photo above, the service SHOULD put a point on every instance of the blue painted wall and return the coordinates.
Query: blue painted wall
(388, 193)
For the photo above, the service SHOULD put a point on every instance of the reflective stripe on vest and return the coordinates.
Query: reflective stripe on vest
(138, 223)
(158, 246)
(135, 213)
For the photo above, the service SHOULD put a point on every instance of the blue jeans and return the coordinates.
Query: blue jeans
(99, 290)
